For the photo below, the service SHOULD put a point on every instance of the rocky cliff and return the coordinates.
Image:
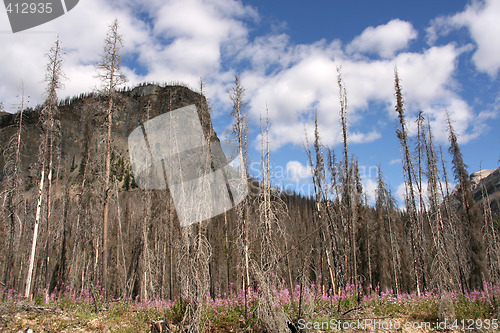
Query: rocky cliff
(82, 124)
(144, 232)
(486, 186)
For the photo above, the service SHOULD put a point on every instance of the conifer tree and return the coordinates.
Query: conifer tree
(321, 217)
(470, 213)
(12, 158)
(384, 205)
(442, 265)
(109, 71)
(240, 135)
(48, 113)
(414, 227)
(348, 207)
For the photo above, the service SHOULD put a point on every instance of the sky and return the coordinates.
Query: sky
(287, 54)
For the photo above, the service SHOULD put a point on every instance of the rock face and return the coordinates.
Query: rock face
(487, 183)
(82, 123)
(144, 231)
(478, 176)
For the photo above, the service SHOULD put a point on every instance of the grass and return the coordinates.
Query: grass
(69, 311)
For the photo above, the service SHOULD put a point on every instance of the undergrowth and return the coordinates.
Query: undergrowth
(72, 311)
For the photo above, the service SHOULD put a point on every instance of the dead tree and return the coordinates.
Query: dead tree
(271, 230)
(423, 219)
(320, 219)
(384, 205)
(109, 69)
(470, 213)
(348, 188)
(414, 227)
(458, 252)
(12, 157)
(240, 135)
(336, 223)
(442, 268)
(47, 114)
(491, 237)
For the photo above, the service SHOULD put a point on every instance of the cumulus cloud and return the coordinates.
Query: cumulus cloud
(384, 40)
(298, 172)
(81, 32)
(395, 161)
(481, 20)
(182, 40)
(309, 83)
(370, 187)
(173, 41)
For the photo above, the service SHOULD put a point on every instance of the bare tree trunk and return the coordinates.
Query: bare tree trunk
(442, 271)
(146, 269)
(171, 248)
(470, 213)
(492, 241)
(27, 291)
(47, 115)
(49, 206)
(11, 170)
(110, 74)
(347, 184)
(415, 233)
(240, 129)
(106, 200)
(227, 251)
(455, 231)
(121, 265)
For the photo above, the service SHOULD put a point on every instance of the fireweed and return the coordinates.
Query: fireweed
(229, 309)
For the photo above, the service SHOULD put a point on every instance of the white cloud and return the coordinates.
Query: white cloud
(428, 77)
(481, 19)
(384, 40)
(297, 172)
(200, 29)
(183, 40)
(180, 42)
(309, 83)
(395, 161)
(370, 187)
(81, 32)
(364, 137)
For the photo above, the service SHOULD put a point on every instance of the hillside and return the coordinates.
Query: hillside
(486, 186)
(271, 241)
(146, 246)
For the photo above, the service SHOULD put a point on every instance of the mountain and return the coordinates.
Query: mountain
(68, 250)
(82, 122)
(486, 185)
(149, 253)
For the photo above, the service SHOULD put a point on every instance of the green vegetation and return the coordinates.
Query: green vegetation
(72, 312)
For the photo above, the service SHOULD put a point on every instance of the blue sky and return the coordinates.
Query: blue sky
(286, 53)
